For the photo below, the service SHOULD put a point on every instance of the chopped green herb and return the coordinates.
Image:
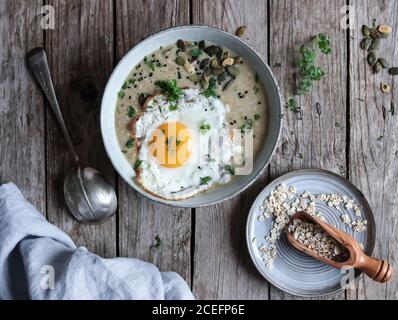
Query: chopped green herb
(380, 138)
(137, 164)
(130, 143)
(196, 52)
(307, 69)
(131, 111)
(277, 65)
(205, 180)
(204, 127)
(257, 117)
(127, 83)
(292, 105)
(211, 91)
(300, 155)
(171, 89)
(149, 63)
(230, 169)
(178, 142)
(337, 125)
(121, 94)
(248, 125)
(158, 242)
(173, 107)
(257, 78)
(256, 89)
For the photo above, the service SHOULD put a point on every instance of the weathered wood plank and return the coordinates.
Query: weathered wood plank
(316, 141)
(373, 160)
(81, 59)
(222, 266)
(142, 220)
(22, 133)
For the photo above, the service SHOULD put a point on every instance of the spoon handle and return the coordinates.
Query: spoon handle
(378, 270)
(37, 61)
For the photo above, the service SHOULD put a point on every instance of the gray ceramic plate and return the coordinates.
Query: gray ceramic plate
(294, 272)
(168, 37)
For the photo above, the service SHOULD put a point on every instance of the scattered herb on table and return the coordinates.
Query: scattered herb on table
(380, 138)
(392, 108)
(158, 243)
(337, 125)
(300, 155)
(277, 65)
(257, 117)
(170, 87)
(308, 71)
(205, 180)
(292, 105)
(240, 32)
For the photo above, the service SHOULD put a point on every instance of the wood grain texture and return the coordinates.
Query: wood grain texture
(142, 220)
(80, 59)
(373, 160)
(222, 266)
(315, 141)
(22, 119)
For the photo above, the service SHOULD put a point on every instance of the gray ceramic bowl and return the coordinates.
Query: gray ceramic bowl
(168, 37)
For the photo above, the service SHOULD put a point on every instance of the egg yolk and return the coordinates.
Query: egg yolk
(171, 144)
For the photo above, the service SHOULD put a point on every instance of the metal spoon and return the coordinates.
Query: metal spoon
(89, 197)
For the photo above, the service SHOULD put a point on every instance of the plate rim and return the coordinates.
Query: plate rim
(280, 179)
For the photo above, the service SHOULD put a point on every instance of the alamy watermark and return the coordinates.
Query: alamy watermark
(47, 281)
(48, 20)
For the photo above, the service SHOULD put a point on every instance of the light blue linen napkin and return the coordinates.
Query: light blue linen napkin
(39, 261)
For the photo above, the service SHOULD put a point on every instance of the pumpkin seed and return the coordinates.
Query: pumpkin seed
(237, 60)
(181, 45)
(365, 31)
(372, 58)
(376, 68)
(207, 74)
(222, 77)
(181, 60)
(228, 62)
(374, 33)
(193, 77)
(214, 63)
(374, 45)
(228, 84)
(385, 87)
(213, 51)
(202, 44)
(204, 84)
(189, 67)
(384, 63)
(393, 71)
(365, 44)
(217, 71)
(240, 32)
(233, 71)
(384, 29)
(203, 64)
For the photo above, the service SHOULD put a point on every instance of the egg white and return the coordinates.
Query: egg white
(211, 152)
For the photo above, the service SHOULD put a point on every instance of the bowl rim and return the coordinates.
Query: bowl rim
(279, 180)
(179, 204)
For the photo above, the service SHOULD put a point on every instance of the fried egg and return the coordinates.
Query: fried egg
(184, 147)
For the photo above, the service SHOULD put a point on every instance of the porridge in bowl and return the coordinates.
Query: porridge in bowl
(173, 107)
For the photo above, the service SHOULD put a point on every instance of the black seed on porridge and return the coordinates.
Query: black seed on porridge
(165, 65)
(259, 102)
(166, 57)
(246, 92)
(135, 87)
(134, 74)
(235, 122)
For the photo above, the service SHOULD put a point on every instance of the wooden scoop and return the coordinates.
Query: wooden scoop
(378, 270)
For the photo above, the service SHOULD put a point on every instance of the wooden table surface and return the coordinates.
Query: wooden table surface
(206, 246)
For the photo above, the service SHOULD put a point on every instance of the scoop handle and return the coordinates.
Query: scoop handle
(379, 270)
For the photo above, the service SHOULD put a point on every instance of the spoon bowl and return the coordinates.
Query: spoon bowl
(379, 270)
(89, 197)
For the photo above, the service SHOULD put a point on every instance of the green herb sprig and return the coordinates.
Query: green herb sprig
(170, 87)
(211, 91)
(308, 71)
